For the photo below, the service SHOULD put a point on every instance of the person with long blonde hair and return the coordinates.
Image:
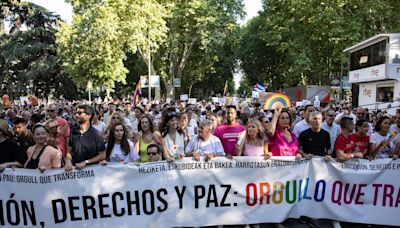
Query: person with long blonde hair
(254, 143)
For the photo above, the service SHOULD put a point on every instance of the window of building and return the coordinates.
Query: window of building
(384, 93)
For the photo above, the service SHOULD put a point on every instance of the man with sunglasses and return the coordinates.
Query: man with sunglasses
(86, 145)
(63, 130)
(331, 127)
(361, 114)
(346, 111)
(154, 152)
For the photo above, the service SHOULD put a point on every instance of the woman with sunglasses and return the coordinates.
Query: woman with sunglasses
(42, 156)
(119, 148)
(265, 123)
(146, 135)
(172, 136)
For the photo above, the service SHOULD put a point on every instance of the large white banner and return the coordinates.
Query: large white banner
(244, 190)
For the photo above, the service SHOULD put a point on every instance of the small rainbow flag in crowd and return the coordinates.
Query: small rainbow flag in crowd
(137, 94)
(225, 89)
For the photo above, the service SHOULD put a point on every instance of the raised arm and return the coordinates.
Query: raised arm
(272, 126)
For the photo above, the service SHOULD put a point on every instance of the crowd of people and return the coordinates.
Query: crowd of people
(74, 135)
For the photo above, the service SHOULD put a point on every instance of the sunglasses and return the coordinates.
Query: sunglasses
(79, 112)
(332, 115)
(152, 153)
(171, 114)
(51, 110)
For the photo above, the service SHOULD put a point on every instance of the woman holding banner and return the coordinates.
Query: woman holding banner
(281, 140)
(119, 148)
(254, 143)
(41, 155)
(381, 142)
(146, 135)
(172, 136)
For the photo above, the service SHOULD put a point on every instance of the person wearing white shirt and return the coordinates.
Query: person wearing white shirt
(396, 127)
(119, 148)
(129, 114)
(107, 115)
(346, 112)
(205, 144)
(330, 126)
(173, 137)
(304, 124)
(361, 114)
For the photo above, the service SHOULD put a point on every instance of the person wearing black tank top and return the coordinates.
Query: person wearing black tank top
(42, 156)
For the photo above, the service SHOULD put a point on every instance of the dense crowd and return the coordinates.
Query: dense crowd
(74, 135)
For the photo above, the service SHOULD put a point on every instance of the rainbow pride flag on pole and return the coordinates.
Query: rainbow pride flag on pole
(137, 94)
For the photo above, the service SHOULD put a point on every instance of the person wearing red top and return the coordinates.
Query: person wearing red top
(360, 138)
(344, 146)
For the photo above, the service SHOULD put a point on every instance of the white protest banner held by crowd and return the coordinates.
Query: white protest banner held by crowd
(245, 190)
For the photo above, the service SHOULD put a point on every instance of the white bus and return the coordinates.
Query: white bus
(375, 72)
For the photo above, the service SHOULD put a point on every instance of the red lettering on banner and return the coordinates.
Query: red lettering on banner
(251, 188)
(265, 189)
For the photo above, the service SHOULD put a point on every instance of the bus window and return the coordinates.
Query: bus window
(369, 56)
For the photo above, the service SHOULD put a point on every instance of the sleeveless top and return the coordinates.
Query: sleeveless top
(253, 150)
(33, 163)
(177, 147)
(143, 150)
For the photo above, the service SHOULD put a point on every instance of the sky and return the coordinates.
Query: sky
(65, 11)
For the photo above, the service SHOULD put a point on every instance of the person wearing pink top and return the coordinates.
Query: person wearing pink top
(229, 133)
(254, 143)
(281, 141)
(42, 156)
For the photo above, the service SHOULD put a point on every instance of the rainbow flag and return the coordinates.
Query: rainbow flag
(225, 89)
(137, 94)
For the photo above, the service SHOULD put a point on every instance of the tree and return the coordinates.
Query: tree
(94, 46)
(197, 30)
(29, 59)
(308, 37)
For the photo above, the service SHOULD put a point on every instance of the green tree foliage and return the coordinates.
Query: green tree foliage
(198, 30)
(94, 46)
(308, 37)
(29, 61)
